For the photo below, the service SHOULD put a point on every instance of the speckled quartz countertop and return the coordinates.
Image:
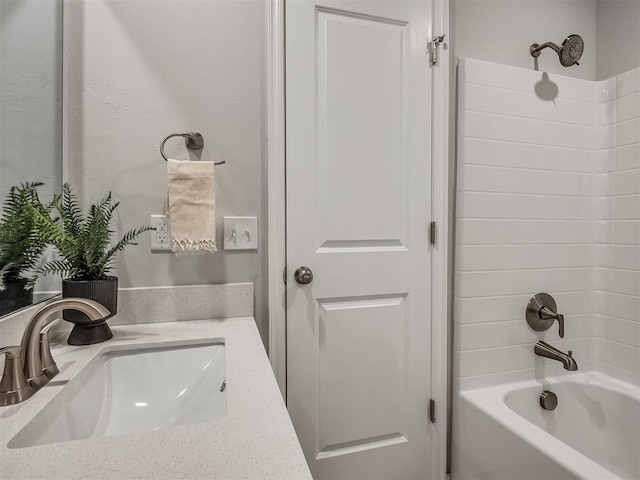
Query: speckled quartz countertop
(255, 440)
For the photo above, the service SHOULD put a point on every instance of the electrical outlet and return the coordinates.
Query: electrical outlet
(161, 236)
(240, 233)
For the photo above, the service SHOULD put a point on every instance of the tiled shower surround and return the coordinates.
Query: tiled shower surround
(548, 201)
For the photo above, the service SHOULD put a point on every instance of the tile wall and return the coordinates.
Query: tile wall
(623, 287)
(545, 203)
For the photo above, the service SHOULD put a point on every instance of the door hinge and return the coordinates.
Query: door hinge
(433, 49)
(284, 275)
(432, 233)
(432, 410)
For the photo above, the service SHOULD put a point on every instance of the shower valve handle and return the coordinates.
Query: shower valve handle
(547, 314)
(542, 311)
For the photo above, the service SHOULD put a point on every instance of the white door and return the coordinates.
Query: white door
(358, 112)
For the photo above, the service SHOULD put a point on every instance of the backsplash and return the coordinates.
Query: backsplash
(538, 211)
(150, 305)
(194, 302)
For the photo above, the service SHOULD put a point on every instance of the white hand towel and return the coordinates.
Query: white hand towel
(192, 206)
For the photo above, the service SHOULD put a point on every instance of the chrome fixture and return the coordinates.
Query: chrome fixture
(30, 366)
(542, 311)
(192, 140)
(548, 400)
(303, 275)
(543, 349)
(14, 387)
(569, 53)
(49, 367)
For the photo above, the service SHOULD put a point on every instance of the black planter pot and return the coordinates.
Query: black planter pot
(14, 296)
(86, 331)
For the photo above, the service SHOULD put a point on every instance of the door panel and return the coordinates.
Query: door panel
(364, 325)
(349, 123)
(358, 210)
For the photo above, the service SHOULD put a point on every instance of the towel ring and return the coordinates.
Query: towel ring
(192, 140)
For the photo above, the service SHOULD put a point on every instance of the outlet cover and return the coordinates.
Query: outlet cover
(160, 238)
(240, 233)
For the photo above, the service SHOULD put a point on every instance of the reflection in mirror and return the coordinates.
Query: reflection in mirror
(30, 114)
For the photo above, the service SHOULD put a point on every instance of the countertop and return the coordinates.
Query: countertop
(255, 440)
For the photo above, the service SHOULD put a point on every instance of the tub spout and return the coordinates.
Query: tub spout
(545, 350)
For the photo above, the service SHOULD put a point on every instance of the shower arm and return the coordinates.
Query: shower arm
(535, 49)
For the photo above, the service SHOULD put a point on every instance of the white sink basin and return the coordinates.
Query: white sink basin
(134, 391)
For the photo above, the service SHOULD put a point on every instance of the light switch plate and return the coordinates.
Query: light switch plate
(240, 233)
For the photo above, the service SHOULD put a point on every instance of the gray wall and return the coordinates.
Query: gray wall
(618, 33)
(501, 31)
(141, 70)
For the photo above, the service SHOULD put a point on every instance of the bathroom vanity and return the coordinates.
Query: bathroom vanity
(61, 431)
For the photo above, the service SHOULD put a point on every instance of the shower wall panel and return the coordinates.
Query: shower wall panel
(535, 213)
(623, 294)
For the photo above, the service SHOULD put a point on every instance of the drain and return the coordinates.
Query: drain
(548, 400)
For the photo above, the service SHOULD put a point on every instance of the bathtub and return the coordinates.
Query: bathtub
(502, 432)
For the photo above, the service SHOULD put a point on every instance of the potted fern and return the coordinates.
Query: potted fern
(20, 247)
(83, 242)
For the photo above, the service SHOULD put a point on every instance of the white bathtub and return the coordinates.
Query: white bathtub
(503, 433)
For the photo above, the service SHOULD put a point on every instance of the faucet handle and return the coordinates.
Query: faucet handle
(547, 314)
(12, 352)
(14, 386)
(561, 324)
(541, 312)
(49, 367)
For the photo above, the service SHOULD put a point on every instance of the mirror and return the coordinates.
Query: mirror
(30, 113)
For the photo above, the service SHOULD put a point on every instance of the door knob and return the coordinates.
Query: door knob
(303, 276)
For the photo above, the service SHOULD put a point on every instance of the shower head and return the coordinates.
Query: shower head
(571, 50)
(569, 53)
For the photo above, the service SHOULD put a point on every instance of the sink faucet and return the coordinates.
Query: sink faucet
(545, 350)
(24, 373)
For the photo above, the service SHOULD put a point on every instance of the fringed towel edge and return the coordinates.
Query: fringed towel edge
(194, 246)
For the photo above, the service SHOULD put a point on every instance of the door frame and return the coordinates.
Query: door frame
(441, 188)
